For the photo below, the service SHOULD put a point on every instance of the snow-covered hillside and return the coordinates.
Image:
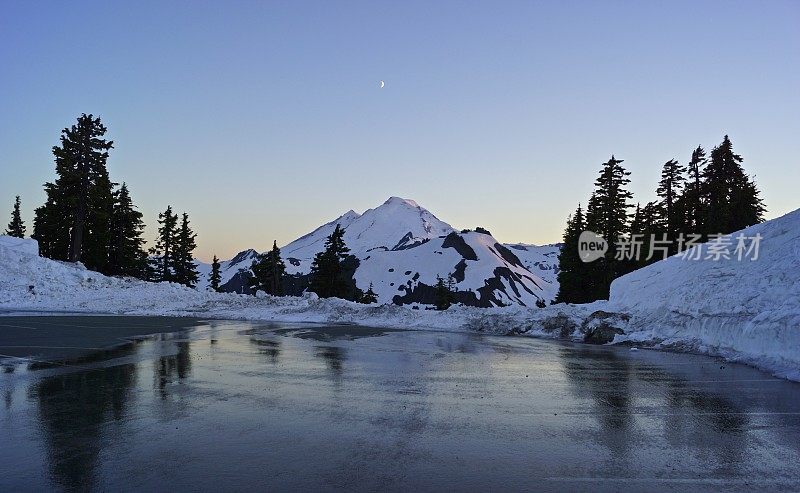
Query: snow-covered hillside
(400, 236)
(744, 309)
(542, 260)
(485, 272)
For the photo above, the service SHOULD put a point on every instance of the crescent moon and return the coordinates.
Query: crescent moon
(382, 84)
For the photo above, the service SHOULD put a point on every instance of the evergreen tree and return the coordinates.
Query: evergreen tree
(268, 272)
(215, 278)
(649, 226)
(732, 198)
(163, 252)
(327, 271)
(443, 294)
(16, 227)
(574, 283)
(607, 215)
(669, 189)
(692, 197)
(369, 297)
(127, 256)
(74, 222)
(183, 262)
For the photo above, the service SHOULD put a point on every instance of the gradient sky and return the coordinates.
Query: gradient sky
(265, 119)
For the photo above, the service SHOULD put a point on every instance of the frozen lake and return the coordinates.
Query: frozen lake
(223, 405)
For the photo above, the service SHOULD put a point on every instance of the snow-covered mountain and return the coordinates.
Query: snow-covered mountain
(542, 260)
(402, 248)
(394, 225)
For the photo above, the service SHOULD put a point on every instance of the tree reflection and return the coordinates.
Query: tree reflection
(603, 376)
(686, 412)
(267, 347)
(72, 410)
(167, 368)
(334, 358)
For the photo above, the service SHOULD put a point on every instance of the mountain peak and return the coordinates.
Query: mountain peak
(401, 201)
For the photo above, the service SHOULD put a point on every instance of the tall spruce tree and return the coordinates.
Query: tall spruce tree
(572, 275)
(669, 206)
(74, 222)
(692, 197)
(183, 261)
(268, 272)
(607, 215)
(215, 279)
(328, 272)
(16, 227)
(127, 256)
(732, 198)
(162, 254)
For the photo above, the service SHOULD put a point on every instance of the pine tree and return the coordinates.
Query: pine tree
(268, 272)
(215, 278)
(163, 252)
(127, 256)
(669, 189)
(732, 198)
(572, 275)
(692, 197)
(607, 215)
(328, 272)
(16, 227)
(74, 222)
(443, 294)
(183, 262)
(649, 226)
(369, 296)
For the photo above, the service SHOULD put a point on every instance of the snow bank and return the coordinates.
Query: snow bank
(745, 310)
(28, 246)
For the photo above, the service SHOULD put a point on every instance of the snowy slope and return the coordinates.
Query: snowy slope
(486, 272)
(542, 260)
(393, 225)
(227, 268)
(746, 310)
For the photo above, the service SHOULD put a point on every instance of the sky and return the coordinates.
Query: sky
(265, 119)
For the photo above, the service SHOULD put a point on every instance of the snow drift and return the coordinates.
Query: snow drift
(747, 310)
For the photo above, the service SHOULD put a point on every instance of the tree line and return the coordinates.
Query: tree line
(88, 218)
(710, 195)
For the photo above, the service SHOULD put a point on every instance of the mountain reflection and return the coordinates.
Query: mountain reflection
(72, 410)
